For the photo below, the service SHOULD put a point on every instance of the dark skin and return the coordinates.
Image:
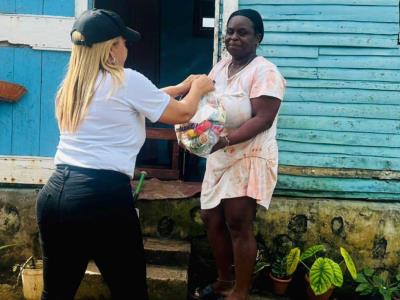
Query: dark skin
(241, 42)
(230, 224)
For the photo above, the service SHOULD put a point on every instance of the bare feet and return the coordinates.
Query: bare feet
(223, 287)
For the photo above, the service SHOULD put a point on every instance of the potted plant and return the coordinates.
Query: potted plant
(373, 283)
(280, 277)
(31, 272)
(323, 273)
(278, 273)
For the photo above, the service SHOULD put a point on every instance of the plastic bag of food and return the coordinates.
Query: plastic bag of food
(202, 132)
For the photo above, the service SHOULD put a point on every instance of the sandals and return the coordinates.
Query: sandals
(208, 293)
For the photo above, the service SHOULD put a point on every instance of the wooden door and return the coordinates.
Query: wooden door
(143, 16)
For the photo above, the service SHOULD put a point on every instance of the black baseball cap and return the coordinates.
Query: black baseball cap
(100, 25)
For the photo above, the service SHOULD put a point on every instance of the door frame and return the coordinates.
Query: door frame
(223, 9)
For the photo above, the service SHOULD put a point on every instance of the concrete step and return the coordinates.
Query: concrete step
(167, 276)
(167, 265)
(164, 283)
(166, 252)
(93, 285)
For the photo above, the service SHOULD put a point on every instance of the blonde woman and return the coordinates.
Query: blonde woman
(85, 211)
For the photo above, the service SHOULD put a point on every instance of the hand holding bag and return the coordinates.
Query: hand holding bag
(202, 132)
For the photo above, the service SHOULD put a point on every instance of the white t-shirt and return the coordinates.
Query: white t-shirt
(113, 131)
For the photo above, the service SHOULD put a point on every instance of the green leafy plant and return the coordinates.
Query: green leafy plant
(278, 272)
(279, 269)
(323, 272)
(261, 262)
(372, 283)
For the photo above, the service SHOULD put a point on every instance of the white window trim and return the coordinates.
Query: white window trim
(25, 169)
(216, 31)
(41, 32)
(229, 7)
(80, 7)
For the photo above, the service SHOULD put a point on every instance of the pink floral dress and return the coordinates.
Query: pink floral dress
(251, 167)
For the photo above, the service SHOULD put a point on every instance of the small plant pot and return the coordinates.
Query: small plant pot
(32, 283)
(312, 296)
(279, 285)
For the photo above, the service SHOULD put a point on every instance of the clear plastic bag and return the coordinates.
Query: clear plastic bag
(203, 131)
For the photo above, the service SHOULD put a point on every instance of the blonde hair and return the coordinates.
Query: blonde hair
(77, 90)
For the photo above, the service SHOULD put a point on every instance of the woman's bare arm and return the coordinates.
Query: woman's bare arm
(264, 110)
(178, 112)
(181, 88)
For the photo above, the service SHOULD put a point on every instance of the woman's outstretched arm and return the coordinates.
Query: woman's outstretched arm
(178, 112)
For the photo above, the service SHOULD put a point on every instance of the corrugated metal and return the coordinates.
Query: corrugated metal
(341, 60)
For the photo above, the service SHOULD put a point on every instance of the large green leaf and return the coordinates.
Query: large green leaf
(260, 265)
(387, 295)
(7, 246)
(364, 289)
(321, 276)
(361, 278)
(337, 273)
(312, 251)
(378, 280)
(368, 272)
(349, 263)
(292, 260)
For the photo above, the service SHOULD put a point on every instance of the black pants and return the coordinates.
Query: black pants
(86, 214)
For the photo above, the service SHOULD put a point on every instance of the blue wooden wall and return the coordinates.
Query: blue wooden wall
(28, 128)
(341, 59)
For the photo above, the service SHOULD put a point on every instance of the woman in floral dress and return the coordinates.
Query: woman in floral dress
(242, 170)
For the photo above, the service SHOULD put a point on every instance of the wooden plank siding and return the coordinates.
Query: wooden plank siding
(38, 7)
(341, 111)
(6, 109)
(53, 69)
(28, 127)
(339, 126)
